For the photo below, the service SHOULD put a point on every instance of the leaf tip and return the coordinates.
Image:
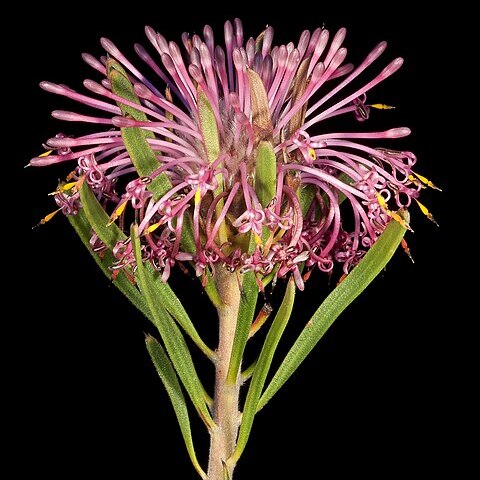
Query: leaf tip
(149, 339)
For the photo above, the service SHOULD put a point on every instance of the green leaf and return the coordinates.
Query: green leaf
(246, 310)
(174, 306)
(226, 474)
(211, 140)
(306, 196)
(208, 126)
(344, 294)
(212, 292)
(343, 177)
(188, 240)
(269, 278)
(265, 173)
(143, 157)
(171, 335)
(249, 371)
(169, 378)
(82, 227)
(122, 87)
(110, 235)
(262, 368)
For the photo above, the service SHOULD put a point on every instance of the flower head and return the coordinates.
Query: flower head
(220, 156)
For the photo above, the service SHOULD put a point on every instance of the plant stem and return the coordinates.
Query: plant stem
(225, 403)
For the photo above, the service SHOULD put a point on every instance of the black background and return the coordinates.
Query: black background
(371, 398)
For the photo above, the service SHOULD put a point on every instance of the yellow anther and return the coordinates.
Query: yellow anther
(64, 187)
(47, 218)
(400, 220)
(424, 180)
(198, 196)
(381, 201)
(423, 208)
(117, 212)
(394, 215)
(72, 187)
(67, 186)
(120, 209)
(45, 154)
(416, 181)
(312, 154)
(425, 211)
(381, 106)
(152, 227)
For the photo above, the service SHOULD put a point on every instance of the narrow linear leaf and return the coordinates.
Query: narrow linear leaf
(174, 307)
(262, 368)
(171, 335)
(211, 140)
(305, 197)
(246, 312)
(269, 278)
(110, 235)
(344, 294)
(265, 173)
(82, 227)
(212, 292)
(188, 240)
(208, 126)
(248, 372)
(169, 378)
(122, 87)
(143, 157)
(226, 475)
(145, 161)
(99, 219)
(343, 177)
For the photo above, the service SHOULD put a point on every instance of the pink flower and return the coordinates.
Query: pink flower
(331, 196)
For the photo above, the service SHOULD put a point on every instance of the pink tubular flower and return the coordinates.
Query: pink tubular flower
(331, 196)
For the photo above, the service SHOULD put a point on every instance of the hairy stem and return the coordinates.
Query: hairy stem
(225, 403)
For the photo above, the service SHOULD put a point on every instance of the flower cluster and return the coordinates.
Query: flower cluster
(214, 117)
